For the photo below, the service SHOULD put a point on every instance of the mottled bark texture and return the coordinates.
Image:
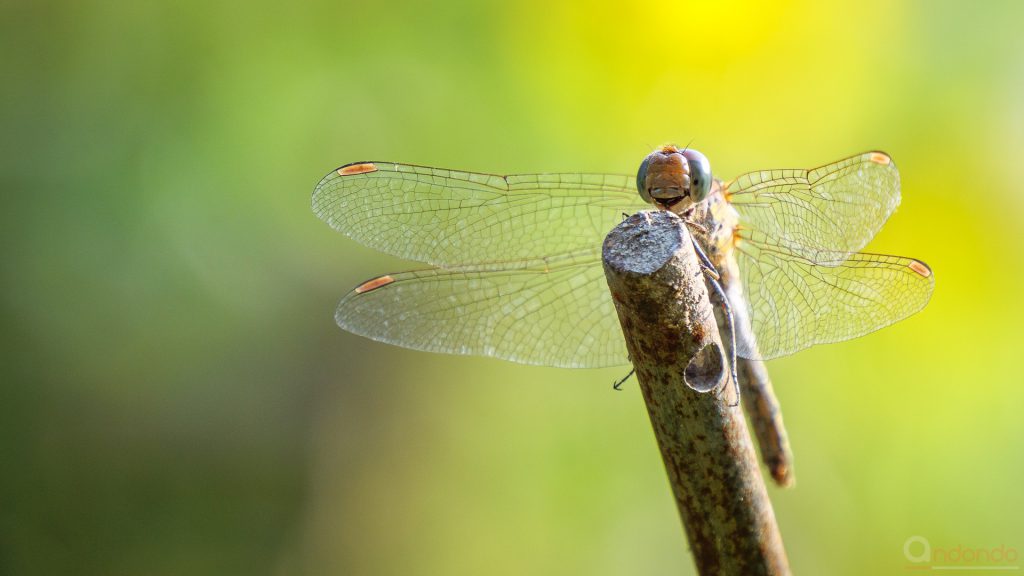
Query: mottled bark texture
(662, 302)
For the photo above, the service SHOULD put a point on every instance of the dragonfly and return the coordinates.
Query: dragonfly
(513, 262)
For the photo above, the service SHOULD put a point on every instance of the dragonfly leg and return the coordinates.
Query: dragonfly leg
(713, 279)
(621, 381)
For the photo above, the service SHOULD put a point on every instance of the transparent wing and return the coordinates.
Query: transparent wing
(798, 297)
(838, 207)
(550, 312)
(450, 218)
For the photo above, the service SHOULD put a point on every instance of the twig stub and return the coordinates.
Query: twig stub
(672, 338)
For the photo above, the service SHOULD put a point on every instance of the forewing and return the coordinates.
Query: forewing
(838, 207)
(550, 312)
(798, 298)
(450, 218)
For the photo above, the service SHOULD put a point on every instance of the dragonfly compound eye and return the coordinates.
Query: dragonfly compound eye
(700, 174)
(641, 180)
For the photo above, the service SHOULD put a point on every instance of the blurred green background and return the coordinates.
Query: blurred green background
(176, 398)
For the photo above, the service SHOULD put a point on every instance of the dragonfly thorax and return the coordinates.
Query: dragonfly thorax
(716, 225)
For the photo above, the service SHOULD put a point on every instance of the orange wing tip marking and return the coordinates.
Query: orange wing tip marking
(357, 169)
(920, 267)
(880, 158)
(374, 284)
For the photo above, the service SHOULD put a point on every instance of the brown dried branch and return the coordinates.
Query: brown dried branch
(662, 302)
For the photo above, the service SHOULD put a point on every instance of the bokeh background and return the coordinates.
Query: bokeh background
(176, 398)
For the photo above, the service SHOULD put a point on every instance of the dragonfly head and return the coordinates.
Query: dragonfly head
(674, 179)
